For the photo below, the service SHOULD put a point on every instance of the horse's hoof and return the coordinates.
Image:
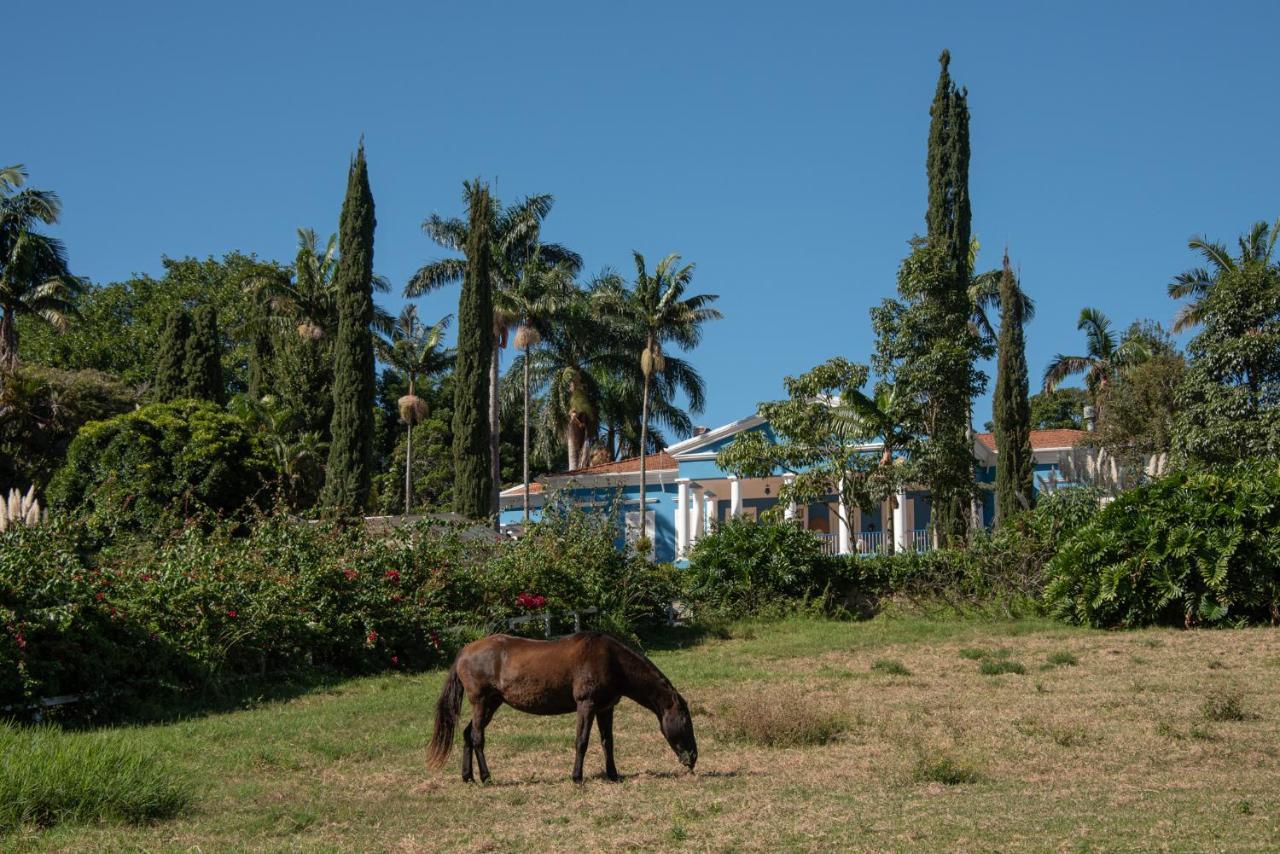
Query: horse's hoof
(467, 778)
(613, 778)
(577, 779)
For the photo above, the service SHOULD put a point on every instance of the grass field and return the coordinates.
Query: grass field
(895, 733)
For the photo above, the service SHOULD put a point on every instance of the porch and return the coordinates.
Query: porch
(703, 502)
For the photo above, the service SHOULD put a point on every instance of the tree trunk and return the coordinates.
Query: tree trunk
(8, 343)
(888, 525)
(644, 442)
(495, 427)
(408, 457)
(526, 433)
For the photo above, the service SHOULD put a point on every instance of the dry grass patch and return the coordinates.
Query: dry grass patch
(779, 719)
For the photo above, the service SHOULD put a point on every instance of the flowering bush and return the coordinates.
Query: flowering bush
(141, 618)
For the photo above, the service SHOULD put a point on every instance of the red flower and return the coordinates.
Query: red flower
(99, 596)
(350, 574)
(396, 597)
(539, 601)
(233, 613)
(372, 639)
(21, 641)
(146, 576)
(114, 612)
(393, 575)
(395, 661)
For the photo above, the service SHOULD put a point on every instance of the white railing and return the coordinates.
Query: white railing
(873, 542)
(921, 541)
(830, 543)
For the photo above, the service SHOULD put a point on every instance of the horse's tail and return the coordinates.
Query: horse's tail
(447, 708)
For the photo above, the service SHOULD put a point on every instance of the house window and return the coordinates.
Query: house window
(633, 529)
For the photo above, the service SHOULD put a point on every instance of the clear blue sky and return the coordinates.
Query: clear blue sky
(780, 147)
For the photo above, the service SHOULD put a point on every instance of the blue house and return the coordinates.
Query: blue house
(686, 493)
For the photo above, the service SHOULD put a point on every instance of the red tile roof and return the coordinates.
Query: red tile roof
(661, 461)
(1042, 439)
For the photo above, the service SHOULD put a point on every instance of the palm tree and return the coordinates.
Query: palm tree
(656, 312)
(577, 353)
(307, 299)
(1256, 246)
(516, 231)
(34, 279)
(857, 417)
(534, 299)
(413, 349)
(1105, 355)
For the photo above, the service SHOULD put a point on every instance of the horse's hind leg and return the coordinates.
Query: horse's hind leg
(467, 776)
(481, 714)
(586, 713)
(604, 720)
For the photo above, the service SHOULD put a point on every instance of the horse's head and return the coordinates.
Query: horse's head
(677, 728)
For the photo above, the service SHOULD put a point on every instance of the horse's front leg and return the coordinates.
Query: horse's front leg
(586, 714)
(604, 720)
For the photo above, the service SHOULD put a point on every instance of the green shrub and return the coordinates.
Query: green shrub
(1195, 547)
(1224, 704)
(48, 777)
(1062, 658)
(749, 566)
(135, 467)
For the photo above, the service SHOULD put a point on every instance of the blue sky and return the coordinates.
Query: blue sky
(780, 148)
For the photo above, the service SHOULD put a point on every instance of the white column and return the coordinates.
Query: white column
(735, 496)
(682, 516)
(900, 534)
(790, 512)
(695, 516)
(709, 519)
(842, 535)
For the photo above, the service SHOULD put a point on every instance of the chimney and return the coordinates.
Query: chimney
(1090, 418)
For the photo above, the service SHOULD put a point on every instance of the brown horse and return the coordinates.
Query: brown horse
(587, 673)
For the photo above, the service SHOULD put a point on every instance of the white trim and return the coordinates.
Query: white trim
(715, 435)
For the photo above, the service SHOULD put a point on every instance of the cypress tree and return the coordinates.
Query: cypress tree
(1012, 406)
(171, 359)
(948, 216)
(347, 476)
(202, 369)
(472, 478)
(948, 230)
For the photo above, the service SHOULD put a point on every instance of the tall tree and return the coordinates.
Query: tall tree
(171, 360)
(656, 312)
(202, 369)
(34, 280)
(927, 349)
(347, 477)
(473, 476)
(1012, 407)
(413, 349)
(514, 238)
(948, 231)
(1105, 355)
(1229, 400)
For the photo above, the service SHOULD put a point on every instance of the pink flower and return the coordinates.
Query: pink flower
(395, 661)
(146, 576)
(21, 641)
(233, 613)
(350, 574)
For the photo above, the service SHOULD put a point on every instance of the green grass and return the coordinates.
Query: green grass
(998, 666)
(1062, 658)
(890, 666)
(50, 778)
(803, 744)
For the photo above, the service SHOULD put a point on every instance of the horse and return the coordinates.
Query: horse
(587, 673)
